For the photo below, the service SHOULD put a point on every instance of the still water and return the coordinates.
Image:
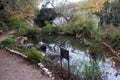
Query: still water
(78, 54)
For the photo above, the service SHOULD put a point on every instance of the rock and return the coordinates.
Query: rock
(53, 78)
(28, 45)
(43, 54)
(19, 41)
(46, 72)
(45, 69)
(41, 46)
(40, 65)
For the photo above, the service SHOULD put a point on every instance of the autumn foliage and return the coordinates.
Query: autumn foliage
(93, 5)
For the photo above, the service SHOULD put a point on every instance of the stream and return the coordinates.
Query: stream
(79, 55)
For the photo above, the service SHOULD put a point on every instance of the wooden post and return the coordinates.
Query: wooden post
(68, 69)
(61, 66)
(65, 54)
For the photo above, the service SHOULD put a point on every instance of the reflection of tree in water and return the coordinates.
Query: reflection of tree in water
(54, 43)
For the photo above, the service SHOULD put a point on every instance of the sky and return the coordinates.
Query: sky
(62, 1)
(75, 0)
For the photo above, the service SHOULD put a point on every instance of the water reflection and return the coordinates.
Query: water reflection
(79, 54)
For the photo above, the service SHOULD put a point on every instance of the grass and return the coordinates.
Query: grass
(9, 42)
(19, 26)
(33, 56)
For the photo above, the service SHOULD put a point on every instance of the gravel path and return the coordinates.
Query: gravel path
(13, 67)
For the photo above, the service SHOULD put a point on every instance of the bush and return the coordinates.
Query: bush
(20, 26)
(47, 28)
(115, 41)
(33, 56)
(68, 28)
(9, 42)
(56, 29)
(4, 20)
(33, 34)
(4, 27)
(82, 26)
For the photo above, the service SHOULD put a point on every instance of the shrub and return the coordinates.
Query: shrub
(9, 42)
(20, 26)
(115, 41)
(56, 29)
(3, 26)
(82, 26)
(68, 28)
(4, 20)
(33, 56)
(47, 28)
(33, 34)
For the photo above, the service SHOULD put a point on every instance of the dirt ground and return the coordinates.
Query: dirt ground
(13, 67)
(6, 35)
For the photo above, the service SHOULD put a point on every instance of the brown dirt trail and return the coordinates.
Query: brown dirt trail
(13, 67)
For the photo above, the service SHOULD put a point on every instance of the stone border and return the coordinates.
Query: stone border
(45, 71)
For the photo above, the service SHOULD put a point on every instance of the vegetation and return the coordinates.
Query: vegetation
(33, 34)
(47, 28)
(11, 10)
(92, 22)
(33, 56)
(110, 13)
(19, 26)
(115, 41)
(87, 71)
(46, 14)
(83, 26)
(9, 42)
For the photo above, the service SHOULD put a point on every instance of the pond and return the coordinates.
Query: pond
(79, 55)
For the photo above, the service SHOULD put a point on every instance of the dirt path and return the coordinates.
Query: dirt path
(13, 67)
(6, 35)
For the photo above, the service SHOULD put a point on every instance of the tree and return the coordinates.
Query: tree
(92, 5)
(46, 15)
(17, 9)
(95, 7)
(60, 8)
(82, 26)
(111, 13)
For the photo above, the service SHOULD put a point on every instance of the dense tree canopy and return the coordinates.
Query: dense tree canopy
(92, 5)
(46, 15)
(111, 13)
